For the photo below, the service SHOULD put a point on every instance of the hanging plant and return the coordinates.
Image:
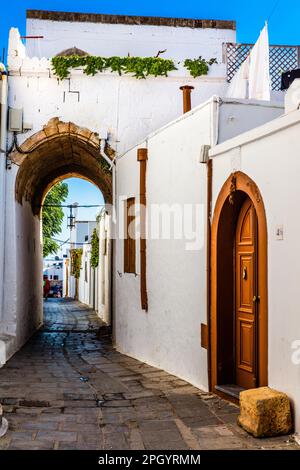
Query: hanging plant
(76, 256)
(140, 67)
(94, 249)
(198, 67)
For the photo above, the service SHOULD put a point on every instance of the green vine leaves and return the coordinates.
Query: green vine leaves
(140, 67)
(198, 67)
(94, 249)
(76, 256)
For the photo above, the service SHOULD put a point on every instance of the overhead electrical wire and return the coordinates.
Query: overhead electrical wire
(275, 5)
(69, 242)
(69, 206)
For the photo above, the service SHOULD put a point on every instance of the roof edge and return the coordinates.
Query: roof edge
(129, 20)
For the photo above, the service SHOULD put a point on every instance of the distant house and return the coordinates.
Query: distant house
(53, 269)
(93, 286)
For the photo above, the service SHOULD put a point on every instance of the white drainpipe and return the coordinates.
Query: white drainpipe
(103, 154)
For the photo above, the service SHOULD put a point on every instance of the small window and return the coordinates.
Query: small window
(129, 242)
(55, 277)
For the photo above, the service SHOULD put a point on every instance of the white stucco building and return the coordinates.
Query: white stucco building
(210, 292)
(122, 110)
(94, 283)
(53, 269)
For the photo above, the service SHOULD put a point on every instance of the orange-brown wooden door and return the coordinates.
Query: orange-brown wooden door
(247, 298)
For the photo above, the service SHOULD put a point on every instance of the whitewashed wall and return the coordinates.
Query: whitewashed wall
(127, 108)
(85, 281)
(123, 39)
(94, 285)
(66, 277)
(168, 335)
(3, 114)
(104, 269)
(123, 108)
(159, 337)
(270, 156)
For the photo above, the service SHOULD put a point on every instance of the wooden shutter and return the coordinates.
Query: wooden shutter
(129, 242)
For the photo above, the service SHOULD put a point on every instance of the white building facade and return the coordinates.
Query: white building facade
(219, 184)
(94, 282)
(122, 110)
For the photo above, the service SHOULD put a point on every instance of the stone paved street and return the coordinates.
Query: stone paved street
(69, 389)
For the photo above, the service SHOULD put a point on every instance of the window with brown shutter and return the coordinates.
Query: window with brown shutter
(129, 242)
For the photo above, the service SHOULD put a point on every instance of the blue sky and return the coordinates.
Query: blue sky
(250, 17)
(84, 193)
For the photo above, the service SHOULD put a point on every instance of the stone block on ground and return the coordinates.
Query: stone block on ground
(265, 412)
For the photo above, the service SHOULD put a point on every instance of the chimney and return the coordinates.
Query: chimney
(186, 95)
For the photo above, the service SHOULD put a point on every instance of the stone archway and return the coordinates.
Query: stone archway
(60, 150)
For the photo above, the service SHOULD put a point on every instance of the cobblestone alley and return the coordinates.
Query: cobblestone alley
(69, 389)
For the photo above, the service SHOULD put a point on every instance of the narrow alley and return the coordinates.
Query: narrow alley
(69, 389)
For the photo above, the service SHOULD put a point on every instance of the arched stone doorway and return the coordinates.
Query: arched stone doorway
(60, 150)
(239, 261)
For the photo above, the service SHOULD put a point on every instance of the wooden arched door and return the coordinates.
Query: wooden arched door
(239, 297)
(246, 296)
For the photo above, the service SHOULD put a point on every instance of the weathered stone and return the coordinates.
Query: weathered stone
(34, 403)
(63, 127)
(85, 134)
(130, 20)
(94, 139)
(265, 412)
(50, 131)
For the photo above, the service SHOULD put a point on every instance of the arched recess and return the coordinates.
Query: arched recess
(228, 205)
(60, 150)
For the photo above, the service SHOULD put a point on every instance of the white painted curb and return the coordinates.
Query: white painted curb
(4, 427)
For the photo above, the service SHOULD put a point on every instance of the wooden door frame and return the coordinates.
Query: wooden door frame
(239, 182)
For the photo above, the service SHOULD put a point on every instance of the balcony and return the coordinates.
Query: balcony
(282, 59)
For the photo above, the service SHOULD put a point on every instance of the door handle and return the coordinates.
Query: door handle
(256, 298)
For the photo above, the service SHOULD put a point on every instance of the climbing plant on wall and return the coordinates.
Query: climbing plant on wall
(140, 67)
(94, 249)
(198, 67)
(76, 256)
